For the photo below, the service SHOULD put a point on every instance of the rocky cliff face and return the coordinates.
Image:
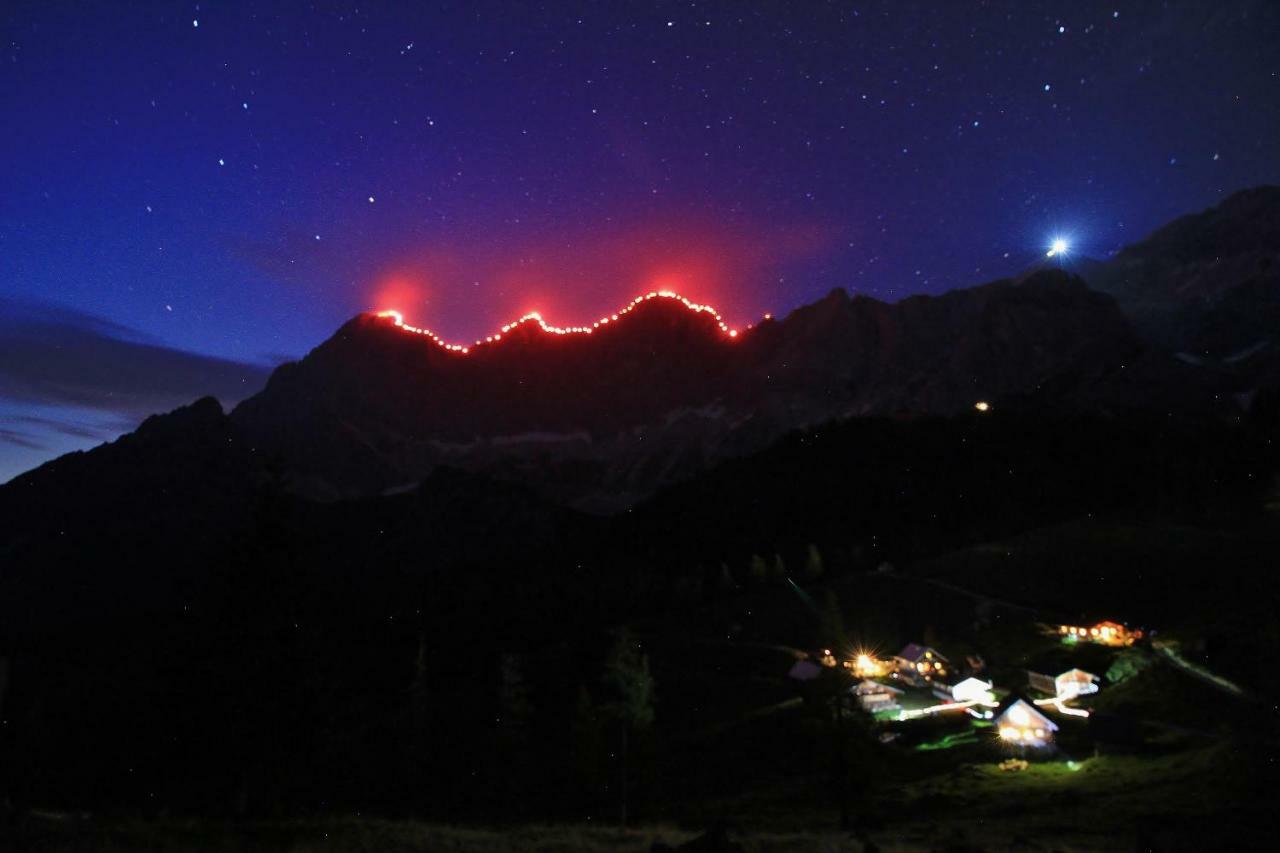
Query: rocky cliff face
(1208, 283)
(1204, 293)
(601, 419)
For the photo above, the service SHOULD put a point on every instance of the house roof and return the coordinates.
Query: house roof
(974, 682)
(914, 652)
(868, 686)
(1077, 671)
(805, 670)
(1033, 714)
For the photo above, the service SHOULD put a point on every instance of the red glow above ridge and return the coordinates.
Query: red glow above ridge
(535, 317)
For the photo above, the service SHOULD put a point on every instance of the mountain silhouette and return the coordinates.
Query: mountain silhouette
(601, 420)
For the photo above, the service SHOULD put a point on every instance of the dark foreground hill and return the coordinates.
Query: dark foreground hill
(268, 652)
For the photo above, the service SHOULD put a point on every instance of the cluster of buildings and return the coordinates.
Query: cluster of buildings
(937, 685)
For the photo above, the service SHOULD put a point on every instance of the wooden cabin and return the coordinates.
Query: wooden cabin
(866, 665)
(1106, 633)
(917, 664)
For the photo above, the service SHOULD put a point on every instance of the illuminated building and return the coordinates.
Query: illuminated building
(866, 665)
(972, 690)
(917, 664)
(1106, 633)
(874, 696)
(1068, 685)
(1021, 724)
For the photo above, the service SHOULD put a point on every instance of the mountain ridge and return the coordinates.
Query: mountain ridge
(601, 419)
(373, 408)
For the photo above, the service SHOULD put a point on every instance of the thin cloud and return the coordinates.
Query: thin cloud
(99, 431)
(21, 439)
(53, 356)
(289, 257)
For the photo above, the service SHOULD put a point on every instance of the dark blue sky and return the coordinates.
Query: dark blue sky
(183, 204)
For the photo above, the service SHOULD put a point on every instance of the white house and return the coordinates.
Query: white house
(972, 690)
(1075, 682)
(1021, 724)
(1068, 685)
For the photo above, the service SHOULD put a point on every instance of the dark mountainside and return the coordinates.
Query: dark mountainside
(1207, 284)
(188, 631)
(602, 419)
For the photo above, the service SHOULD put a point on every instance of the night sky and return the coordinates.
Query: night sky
(194, 192)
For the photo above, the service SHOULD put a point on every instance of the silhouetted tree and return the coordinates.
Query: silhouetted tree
(831, 621)
(630, 686)
(725, 581)
(588, 748)
(813, 568)
(513, 764)
(778, 574)
(515, 707)
(1127, 664)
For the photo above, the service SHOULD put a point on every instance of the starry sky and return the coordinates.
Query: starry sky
(193, 193)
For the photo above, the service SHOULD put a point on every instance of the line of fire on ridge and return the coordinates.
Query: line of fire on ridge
(536, 317)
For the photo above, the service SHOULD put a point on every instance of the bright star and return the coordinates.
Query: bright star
(1059, 246)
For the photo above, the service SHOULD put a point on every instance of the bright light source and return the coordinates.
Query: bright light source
(982, 406)
(1059, 246)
